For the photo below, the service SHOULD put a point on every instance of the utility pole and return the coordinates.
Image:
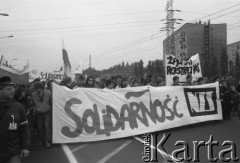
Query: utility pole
(170, 21)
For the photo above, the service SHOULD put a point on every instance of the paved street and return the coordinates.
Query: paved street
(129, 150)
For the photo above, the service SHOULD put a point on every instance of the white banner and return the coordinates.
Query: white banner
(85, 114)
(44, 75)
(175, 67)
(5, 65)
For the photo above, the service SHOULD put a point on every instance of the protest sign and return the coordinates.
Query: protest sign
(175, 67)
(17, 76)
(45, 75)
(17, 79)
(5, 65)
(85, 114)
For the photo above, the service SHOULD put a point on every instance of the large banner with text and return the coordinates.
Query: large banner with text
(175, 67)
(89, 114)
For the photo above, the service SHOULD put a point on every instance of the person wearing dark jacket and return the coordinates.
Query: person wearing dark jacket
(14, 129)
(238, 87)
(235, 100)
(22, 97)
(225, 97)
(42, 107)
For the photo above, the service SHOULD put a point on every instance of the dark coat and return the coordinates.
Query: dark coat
(13, 141)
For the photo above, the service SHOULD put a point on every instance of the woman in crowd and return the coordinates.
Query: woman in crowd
(90, 82)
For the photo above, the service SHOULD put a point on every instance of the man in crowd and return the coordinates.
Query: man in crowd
(42, 106)
(175, 81)
(205, 79)
(79, 81)
(14, 129)
(238, 87)
(118, 81)
(225, 97)
(200, 81)
(189, 80)
(160, 81)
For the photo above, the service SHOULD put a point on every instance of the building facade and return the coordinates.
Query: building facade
(208, 40)
(233, 50)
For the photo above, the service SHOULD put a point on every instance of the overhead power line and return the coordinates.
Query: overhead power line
(136, 42)
(130, 53)
(84, 26)
(80, 17)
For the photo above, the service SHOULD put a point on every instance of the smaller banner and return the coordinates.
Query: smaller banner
(17, 79)
(45, 75)
(5, 65)
(175, 67)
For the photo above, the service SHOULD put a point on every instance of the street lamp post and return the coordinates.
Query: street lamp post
(6, 37)
(3, 14)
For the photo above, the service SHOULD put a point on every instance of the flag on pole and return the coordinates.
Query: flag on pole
(66, 63)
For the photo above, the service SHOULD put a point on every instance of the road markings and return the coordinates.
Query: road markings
(110, 155)
(69, 154)
(78, 148)
(163, 153)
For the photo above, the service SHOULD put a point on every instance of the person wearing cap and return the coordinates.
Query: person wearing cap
(42, 106)
(14, 129)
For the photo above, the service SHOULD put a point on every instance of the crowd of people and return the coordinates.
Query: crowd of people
(29, 108)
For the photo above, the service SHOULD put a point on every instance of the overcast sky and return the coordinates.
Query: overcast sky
(111, 31)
